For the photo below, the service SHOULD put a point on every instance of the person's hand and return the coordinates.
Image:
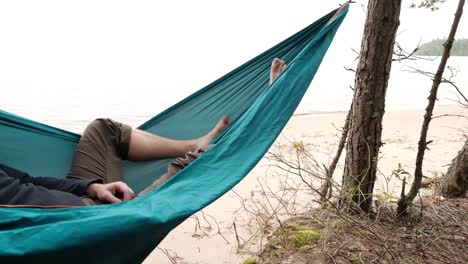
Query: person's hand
(115, 192)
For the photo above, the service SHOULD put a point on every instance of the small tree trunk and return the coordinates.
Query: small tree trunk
(455, 182)
(327, 186)
(405, 201)
(373, 71)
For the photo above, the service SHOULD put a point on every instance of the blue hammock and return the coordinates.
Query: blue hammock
(127, 232)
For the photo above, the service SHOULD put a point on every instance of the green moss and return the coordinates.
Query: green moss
(304, 236)
(250, 261)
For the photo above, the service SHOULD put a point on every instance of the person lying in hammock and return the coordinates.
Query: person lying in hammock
(95, 176)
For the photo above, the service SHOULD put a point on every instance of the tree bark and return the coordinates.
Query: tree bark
(455, 182)
(406, 200)
(373, 71)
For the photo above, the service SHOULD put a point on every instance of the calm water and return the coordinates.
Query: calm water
(72, 108)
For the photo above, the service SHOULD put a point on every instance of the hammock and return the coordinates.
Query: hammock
(127, 232)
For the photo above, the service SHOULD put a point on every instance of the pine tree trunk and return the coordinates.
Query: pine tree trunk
(455, 182)
(373, 71)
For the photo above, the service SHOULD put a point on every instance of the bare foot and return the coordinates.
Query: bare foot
(203, 142)
(277, 67)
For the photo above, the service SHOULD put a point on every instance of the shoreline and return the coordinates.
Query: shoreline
(387, 110)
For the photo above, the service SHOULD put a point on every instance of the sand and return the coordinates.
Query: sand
(318, 131)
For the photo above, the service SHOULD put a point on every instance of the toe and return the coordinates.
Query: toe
(226, 120)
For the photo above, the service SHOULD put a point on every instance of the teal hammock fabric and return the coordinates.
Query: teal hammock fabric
(127, 232)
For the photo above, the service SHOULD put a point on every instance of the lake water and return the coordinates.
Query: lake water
(71, 107)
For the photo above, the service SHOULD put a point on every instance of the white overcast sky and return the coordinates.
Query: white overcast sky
(137, 53)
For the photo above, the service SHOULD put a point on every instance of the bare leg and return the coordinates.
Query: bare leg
(277, 67)
(147, 146)
(172, 169)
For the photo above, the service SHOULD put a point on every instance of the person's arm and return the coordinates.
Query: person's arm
(14, 192)
(17, 187)
(76, 186)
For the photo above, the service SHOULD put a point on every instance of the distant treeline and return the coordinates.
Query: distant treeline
(435, 48)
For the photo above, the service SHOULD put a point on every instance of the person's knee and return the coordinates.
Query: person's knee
(114, 134)
(97, 126)
(99, 122)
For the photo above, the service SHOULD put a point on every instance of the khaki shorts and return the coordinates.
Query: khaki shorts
(103, 145)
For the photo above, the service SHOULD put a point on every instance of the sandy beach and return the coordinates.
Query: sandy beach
(189, 244)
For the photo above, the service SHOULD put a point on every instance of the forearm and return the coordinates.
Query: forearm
(13, 192)
(75, 186)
